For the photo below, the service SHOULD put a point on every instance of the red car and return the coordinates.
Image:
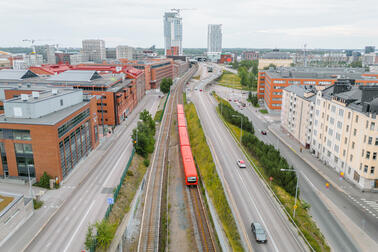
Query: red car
(263, 132)
(200, 90)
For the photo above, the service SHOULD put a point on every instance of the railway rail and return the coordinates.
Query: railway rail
(150, 223)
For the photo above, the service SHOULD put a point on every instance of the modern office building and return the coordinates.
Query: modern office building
(345, 131)
(94, 50)
(173, 31)
(271, 82)
(369, 49)
(48, 131)
(124, 52)
(214, 42)
(47, 52)
(250, 55)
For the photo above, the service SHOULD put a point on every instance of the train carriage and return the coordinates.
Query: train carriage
(191, 177)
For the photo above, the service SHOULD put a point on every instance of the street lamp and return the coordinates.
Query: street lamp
(102, 117)
(296, 189)
(241, 125)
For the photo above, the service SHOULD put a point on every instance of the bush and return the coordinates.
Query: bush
(44, 181)
(165, 85)
(37, 204)
(235, 118)
(146, 162)
(105, 233)
(129, 173)
(90, 238)
(143, 135)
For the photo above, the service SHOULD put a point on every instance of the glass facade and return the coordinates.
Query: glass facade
(4, 160)
(74, 147)
(73, 123)
(24, 159)
(15, 134)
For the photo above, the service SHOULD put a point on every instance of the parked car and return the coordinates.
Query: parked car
(259, 232)
(200, 90)
(263, 132)
(241, 163)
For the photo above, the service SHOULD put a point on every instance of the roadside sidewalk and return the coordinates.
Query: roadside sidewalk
(367, 199)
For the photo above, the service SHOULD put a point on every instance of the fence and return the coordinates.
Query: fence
(165, 103)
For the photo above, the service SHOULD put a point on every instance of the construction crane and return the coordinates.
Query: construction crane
(178, 9)
(32, 43)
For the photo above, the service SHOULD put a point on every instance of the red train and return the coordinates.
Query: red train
(191, 177)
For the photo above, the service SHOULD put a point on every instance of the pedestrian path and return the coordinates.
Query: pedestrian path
(367, 201)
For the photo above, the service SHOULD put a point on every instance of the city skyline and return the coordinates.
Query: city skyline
(269, 24)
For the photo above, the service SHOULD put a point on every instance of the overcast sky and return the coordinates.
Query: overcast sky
(246, 23)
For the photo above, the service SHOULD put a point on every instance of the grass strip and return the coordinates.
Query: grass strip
(158, 115)
(209, 176)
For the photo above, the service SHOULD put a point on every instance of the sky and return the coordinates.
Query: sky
(330, 24)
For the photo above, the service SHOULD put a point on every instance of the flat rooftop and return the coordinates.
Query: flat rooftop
(49, 119)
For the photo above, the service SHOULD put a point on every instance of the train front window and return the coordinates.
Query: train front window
(192, 179)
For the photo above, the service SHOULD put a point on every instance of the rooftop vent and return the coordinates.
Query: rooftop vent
(54, 91)
(35, 94)
(24, 97)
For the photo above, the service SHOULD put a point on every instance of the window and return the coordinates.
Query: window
(347, 128)
(363, 152)
(345, 140)
(366, 168)
(376, 141)
(336, 159)
(341, 112)
(348, 115)
(333, 109)
(61, 102)
(328, 153)
(337, 136)
(354, 132)
(21, 134)
(367, 154)
(332, 120)
(367, 124)
(329, 143)
(364, 138)
(372, 125)
(24, 159)
(372, 170)
(370, 140)
(374, 155)
(73, 122)
(344, 153)
(360, 166)
(330, 132)
(327, 117)
(339, 125)
(351, 158)
(356, 118)
(352, 145)
(336, 148)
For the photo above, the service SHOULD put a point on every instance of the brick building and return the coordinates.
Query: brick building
(226, 58)
(49, 131)
(250, 55)
(271, 82)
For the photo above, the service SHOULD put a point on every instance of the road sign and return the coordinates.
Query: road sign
(295, 206)
(110, 201)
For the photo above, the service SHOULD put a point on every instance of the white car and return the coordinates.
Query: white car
(241, 163)
(196, 88)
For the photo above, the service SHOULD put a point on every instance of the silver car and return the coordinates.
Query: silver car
(259, 232)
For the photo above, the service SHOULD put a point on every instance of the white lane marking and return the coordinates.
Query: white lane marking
(115, 166)
(78, 227)
(250, 196)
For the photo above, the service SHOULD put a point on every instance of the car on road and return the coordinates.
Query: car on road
(196, 88)
(259, 232)
(241, 163)
(263, 132)
(200, 90)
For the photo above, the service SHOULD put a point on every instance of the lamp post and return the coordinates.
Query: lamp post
(296, 189)
(241, 125)
(30, 187)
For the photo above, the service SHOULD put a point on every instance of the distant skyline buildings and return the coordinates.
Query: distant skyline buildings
(173, 31)
(214, 38)
(94, 49)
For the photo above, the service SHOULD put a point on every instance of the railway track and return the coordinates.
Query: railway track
(150, 223)
(203, 224)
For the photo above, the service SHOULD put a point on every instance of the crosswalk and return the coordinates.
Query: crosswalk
(369, 206)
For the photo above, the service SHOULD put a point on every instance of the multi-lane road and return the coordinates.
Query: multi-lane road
(87, 204)
(248, 196)
(312, 185)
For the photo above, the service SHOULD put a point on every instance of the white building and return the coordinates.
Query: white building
(173, 31)
(33, 60)
(124, 52)
(94, 50)
(214, 42)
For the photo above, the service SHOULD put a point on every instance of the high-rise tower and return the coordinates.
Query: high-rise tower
(173, 33)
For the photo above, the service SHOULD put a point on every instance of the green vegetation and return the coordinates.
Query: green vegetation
(37, 203)
(165, 85)
(356, 64)
(44, 181)
(196, 77)
(270, 65)
(268, 162)
(158, 115)
(252, 98)
(263, 111)
(209, 176)
(235, 117)
(143, 135)
(5, 202)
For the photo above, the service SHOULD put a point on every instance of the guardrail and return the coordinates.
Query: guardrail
(165, 103)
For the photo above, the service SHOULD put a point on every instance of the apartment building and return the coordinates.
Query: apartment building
(345, 131)
(271, 82)
(297, 112)
(94, 50)
(279, 59)
(124, 52)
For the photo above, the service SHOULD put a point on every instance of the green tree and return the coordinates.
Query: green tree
(44, 181)
(243, 74)
(356, 64)
(90, 238)
(270, 65)
(165, 85)
(105, 233)
(252, 98)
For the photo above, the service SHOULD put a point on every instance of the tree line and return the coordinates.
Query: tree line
(270, 159)
(143, 134)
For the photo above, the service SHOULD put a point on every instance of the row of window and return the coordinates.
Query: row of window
(15, 134)
(73, 123)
